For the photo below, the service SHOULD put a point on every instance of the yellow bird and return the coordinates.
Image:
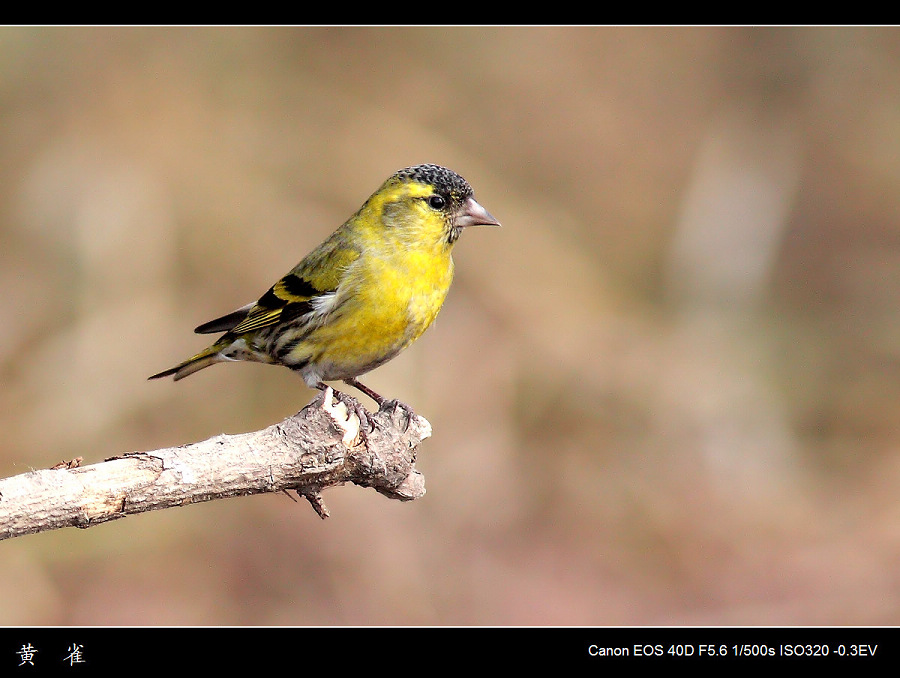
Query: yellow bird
(362, 296)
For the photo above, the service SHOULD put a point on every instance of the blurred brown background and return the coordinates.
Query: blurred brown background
(665, 392)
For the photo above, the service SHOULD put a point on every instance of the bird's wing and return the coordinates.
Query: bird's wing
(318, 275)
(226, 322)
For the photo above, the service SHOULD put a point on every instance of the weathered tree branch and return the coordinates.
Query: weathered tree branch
(321, 446)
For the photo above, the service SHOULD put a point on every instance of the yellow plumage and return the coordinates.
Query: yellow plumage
(362, 296)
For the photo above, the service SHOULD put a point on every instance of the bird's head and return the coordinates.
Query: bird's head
(427, 204)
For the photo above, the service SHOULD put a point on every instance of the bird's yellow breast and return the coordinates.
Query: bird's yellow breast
(389, 301)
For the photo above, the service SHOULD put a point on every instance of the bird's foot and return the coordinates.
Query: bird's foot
(401, 413)
(392, 406)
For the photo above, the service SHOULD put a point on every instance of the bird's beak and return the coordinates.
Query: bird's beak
(473, 214)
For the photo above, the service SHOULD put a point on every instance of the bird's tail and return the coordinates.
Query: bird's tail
(205, 358)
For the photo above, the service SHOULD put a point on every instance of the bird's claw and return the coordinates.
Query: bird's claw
(402, 413)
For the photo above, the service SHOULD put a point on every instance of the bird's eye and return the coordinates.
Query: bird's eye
(436, 202)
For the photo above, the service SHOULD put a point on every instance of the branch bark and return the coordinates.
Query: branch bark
(323, 445)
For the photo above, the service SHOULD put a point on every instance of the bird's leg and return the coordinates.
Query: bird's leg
(377, 398)
(365, 389)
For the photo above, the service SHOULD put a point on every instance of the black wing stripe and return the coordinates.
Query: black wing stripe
(296, 286)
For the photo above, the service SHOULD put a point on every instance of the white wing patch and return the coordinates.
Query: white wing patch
(322, 305)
